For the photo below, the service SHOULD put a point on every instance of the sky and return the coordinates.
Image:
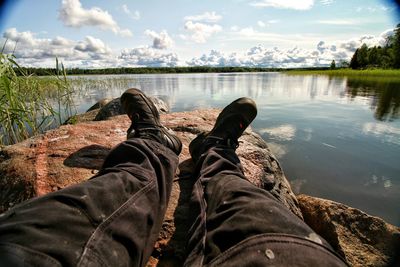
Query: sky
(154, 33)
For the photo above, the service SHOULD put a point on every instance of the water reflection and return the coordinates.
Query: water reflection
(384, 95)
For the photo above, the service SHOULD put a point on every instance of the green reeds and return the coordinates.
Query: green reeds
(26, 105)
(390, 74)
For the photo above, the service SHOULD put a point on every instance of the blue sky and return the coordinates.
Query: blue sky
(270, 33)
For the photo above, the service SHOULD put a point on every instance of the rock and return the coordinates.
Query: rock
(87, 116)
(101, 103)
(114, 108)
(361, 239)
(107, 108)
(73, 153)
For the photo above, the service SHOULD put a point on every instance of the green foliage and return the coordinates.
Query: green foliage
(26, 105)
(396, 47)
(333, 65)
(146, 70)
(379, 57)
(368, 74)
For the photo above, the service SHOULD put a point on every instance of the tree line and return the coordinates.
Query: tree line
(145, 70)
(386, 57)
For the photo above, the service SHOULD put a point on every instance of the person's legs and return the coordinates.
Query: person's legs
(233, 212)
(114, 218)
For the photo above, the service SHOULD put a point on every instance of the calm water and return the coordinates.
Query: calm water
(336, 138)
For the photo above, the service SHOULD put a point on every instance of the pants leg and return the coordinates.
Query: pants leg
(232, 210)
(113, 219)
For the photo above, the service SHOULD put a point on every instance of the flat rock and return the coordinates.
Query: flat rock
(361, 239)
(74, 153)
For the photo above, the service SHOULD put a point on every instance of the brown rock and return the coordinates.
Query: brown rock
(73, 153)
(361, 239)
(101, 103)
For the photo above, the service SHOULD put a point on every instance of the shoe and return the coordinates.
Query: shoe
(229, 126)
(146, 120)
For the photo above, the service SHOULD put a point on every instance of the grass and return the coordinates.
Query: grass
(26, 105)
(368, 73)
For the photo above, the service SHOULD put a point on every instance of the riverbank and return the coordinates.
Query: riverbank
(73, 153)
(383, 74)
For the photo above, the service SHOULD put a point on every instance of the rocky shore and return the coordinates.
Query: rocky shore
(74, 152)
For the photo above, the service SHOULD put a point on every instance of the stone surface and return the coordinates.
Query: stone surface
(361, 239)
(107, 108)
(101, 103)
(73, 153)
(114, 108)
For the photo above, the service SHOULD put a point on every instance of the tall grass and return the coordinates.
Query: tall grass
(26, 107)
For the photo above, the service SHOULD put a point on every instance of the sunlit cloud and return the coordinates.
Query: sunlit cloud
(284, 132)
(284, 4)
(206, 17)
(72, 14)
(147, 56)
(133, 14)
(28, 47)
(327, 2)
(160, 40)
(200, 32)
(337, 22)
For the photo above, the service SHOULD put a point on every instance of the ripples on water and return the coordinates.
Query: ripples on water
(336, 138)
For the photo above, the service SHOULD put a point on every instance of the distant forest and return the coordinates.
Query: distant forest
(151, 70)
(146, 70)
(386, 57)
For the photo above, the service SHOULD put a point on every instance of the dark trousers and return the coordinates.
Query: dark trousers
(114, 218)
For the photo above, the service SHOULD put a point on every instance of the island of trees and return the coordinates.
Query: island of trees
(386, 57)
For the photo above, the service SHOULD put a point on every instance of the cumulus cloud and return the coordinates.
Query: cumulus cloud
(200, 32)
(160, 40)
(260, 56)
(327, 2)
(261, 24)
(93, 45)
(206, 16)
(337, 22)
(147, 56)
(72, 14)
(32, 49)
(284, 4)
(134, 15)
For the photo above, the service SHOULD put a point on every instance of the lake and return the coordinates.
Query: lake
(336, 138)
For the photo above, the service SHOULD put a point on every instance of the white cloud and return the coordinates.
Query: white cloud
(200, 32)
(321, 55)
(93, 45)
(261, 24)
(284, 132)
(28, 47)
(327, 2)
(373, 9)
(147, 56)
(160, 40)
(134, 15)
(337, 22)
(72, 14)
(285, 4)
(206, 17)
